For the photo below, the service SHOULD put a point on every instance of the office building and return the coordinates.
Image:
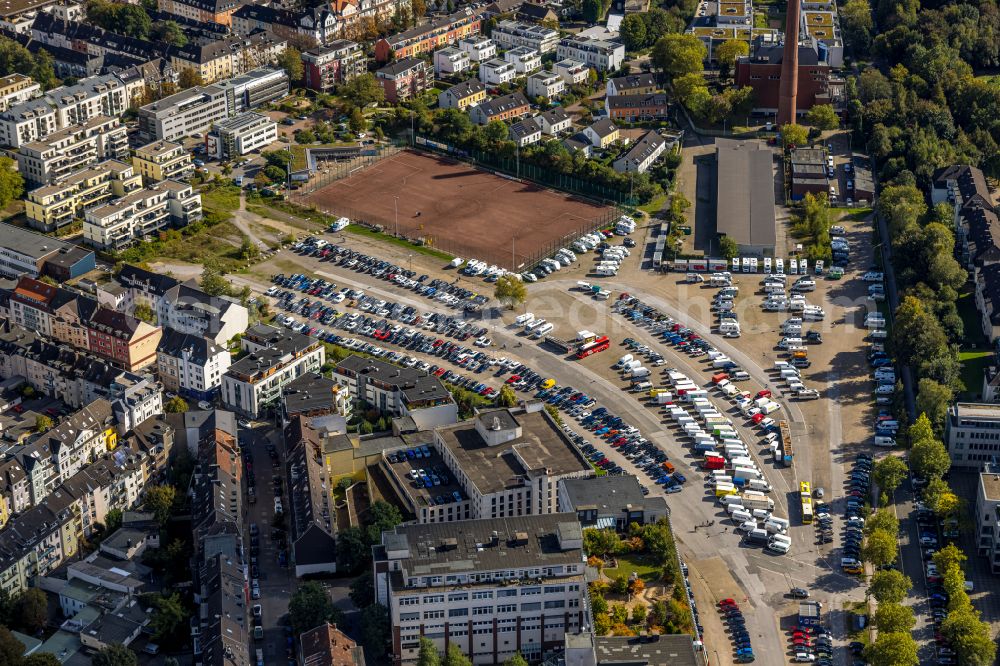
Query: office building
(183, 114)
(253, 384)
(610, 502)
(988, 515)
(24, 252)
(972, 433)
(491, 587)
(246, 133)
(398, 391)
(254, 89)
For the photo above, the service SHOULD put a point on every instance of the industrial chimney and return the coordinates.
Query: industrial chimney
(789, 84)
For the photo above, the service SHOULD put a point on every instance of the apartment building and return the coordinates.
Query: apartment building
(600, 54)
(253, 384)
(141, 215)
(183, 306)
(462, 95)
(492, 587)
(26, 122)
(24, 252)
(496, 72)
(205, 11)
(183, 114)
(525, 60)
(191, 365)
(972, 433)
(573, 72)
(17, 88)
(545, 84)
(478, 47)
(632, 108)
(398, 391)
(327, 67)
(506, 108)
(403, 79)
(33, 544)
(80, 439)
(134, 399)
(68, 150)
(229, 57)
(52, 207)
(988, 516)
(241, 135)
(510, 34)
(162, 160)
(429, 36)
(632, 84)
(642, 155)
(328, 646)
(450, 60)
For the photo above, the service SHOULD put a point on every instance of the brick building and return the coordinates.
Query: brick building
(761, 70)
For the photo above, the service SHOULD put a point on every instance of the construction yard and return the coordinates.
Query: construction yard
(460, 209)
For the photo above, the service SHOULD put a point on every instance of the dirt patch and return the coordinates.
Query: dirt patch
(460, 209)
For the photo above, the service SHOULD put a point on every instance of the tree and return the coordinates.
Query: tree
(376, 629)
(455, 657)
(794, 135)
(418, 8)
(883, 519)
(593, 11)
(639, 614)
(679, 54)
(43, 659)
(633, 32)
(891, 618)
(506, 397)
(510, 291)
(11, 182)
(352, 549)
(600, 542)
(822, 116)
(948, 558)
(290, 60)
(114, 655)
(170, 32)
(516, 660)
(728, 248)
(362, 90)
(189, 78)
(727, 53)
(691, 90)
(145, 312)
(249, 250)
(428, 655)
(856, 20)
(969, 637)
(176, 405)
(889, 586)
(929, 458)
(357, 122)
(310, 606)
(363, 590)
(940, 499)
(619, 584)
(879, 548)
(933, 399)
(43, 423)
(383, 517)
(169, 615)
(160, 500)
(212, 281)
(893, 649)
(888, 473)
(11, 649)
(112, 520)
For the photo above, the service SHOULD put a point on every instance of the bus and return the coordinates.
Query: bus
(596, 345)
(807, 510)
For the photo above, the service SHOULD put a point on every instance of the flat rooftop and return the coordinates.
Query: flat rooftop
(662, 650)
(434, 467)
(29, 243)
(745, 196)
(976, 410)
(991, 485)
(541, 445)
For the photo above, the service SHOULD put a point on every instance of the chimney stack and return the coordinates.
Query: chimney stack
(789, 85)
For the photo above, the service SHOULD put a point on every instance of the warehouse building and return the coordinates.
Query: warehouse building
(745, 195)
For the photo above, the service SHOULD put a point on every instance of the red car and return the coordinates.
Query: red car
(727, 602)
(757, 418)
(766, 393)
(512, 379)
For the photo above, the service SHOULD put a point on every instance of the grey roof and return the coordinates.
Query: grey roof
(415, 385)
(652, 100)
(139, 278)
(402, 65)
(468, 546)
(644, 147)
(34, 245)
(659, 650)
(745, 197)
(499, 105)
(554, 116)
(815, 156)
(199, 349)
(542, 445)
(279, 351)
(466, 88)
(604, 127)
(609, 494)
(633, 81)
(525, 127)
(308, 392)
(124, 538)
(315, 546)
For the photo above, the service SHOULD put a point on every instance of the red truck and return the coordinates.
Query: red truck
(719, 377)
(715, 462)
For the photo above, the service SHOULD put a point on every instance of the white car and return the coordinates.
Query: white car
(873, 276)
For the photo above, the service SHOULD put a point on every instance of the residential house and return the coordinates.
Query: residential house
(327, 67)
(642, 154)
(191, 365)
(600, 54)
(633, 108)
(526, 132)
(328, 646)
(52, 207)
(573, 72)
(403, 79)
(506, 107)
(450, 61)
(162, 160)
(510, 34)
(141, 214)
(632, 84)
(69, 150)
(555, 121)
(602, 133)
(479, 48)
(525, 60)
(496, 72)
(545, 84)
(429, 36)
(462, 95)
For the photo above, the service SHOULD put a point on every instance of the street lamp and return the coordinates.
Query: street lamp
(395, 208)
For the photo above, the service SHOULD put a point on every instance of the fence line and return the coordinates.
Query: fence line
(334, 170)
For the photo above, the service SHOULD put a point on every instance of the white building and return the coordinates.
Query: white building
(253, 384)
(398, 391)
(183, 114)
(524, 59)
(600, 54)
(572, 71)
(135, 398)
(554, 121)
(526, 132)
(496, 72)
(141, 214)
(191, 365)
(478, 47)
(68, 150)
(450, 61)
(972, 433)
(510, 34)
(545, 84)
(492, 588)
(642, 154)
(243, 134)
(17, 88)
(988, 517)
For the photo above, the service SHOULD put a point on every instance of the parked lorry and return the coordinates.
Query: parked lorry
(786, 452)
(754, 499)
(715, 462)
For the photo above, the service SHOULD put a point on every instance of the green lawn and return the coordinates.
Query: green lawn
(419, 249)
(974, 363)
(654, 206)
(221, 198)
(971, 321)
(641, 563)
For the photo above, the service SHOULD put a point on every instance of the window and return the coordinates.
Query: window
(482, 610)
(531, 607)
(482, 595)
(433, 615)
(409, 617)
(555, 604)
(458, 596)
(507, 608)
(528, 591)
(552, 589)
(434, 599)
(458, 612)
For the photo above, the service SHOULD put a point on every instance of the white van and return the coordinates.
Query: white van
(542, 331)
(533, 324)
(741, 516)
(767, 265)
(787, 342)
(885, 441)
(730, 500)
(779, 547)
(779, 265)
(780, 523)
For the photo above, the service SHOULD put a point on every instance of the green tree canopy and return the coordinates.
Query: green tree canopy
(362, 90)
(43, 423)
(175, 405)
(160, 500)
(889, 473)
(510, 291)
(11, 182)
(428, 655)
(794, 135)
(933, 399)
(893, 649)
(310, 606)
(169, 32)
(290, 60)
(970, 637)
(893, 617)
(890, 586)
(633, 32)
(823, 117)
(169, 615)
(506, 397)
(728, 248)
(880, 548)
(455, 657)
(11, 649)
(114, 655)
(727, 52)
(679, 54)
(376, 629)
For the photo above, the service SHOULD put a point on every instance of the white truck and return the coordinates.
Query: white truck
(754, 499)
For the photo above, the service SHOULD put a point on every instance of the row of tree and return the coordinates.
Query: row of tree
(16, 59)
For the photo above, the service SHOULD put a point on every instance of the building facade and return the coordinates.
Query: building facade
(162, 160)
(243, 134)
(327, 67)
(403, 79)
(600, 54)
